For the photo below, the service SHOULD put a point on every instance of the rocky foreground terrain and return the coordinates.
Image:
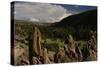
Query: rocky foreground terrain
(29, 48)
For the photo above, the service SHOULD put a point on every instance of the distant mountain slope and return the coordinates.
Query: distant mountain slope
(85, 19)
(78, 25)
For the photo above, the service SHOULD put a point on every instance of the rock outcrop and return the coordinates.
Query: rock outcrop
(70, 48)
(37, 41)
(46, 59)
(92, 46)
(59, 56)
(35, 49)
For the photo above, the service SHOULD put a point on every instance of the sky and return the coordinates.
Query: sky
(78, 8)
(46, 12)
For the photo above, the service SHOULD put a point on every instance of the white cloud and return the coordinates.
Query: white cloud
(42, 12)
